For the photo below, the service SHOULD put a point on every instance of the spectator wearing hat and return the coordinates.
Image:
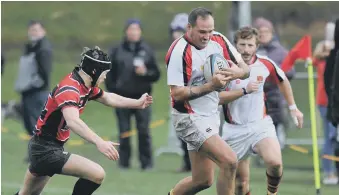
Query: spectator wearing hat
(178, 25)
(134, 69)
(276, 104)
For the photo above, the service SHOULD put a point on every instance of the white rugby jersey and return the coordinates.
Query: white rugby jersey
(251, 107)
(185, 68)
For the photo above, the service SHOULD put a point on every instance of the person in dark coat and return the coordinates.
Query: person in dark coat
(134, 70)
(331, 80)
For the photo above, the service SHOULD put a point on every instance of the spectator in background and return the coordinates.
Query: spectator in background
(331, 79)
(178, 25)
(335, 108)
(321, 52)
(177, 29)
(276, 104)
(134, 69)
(2, 63)
(34, 73)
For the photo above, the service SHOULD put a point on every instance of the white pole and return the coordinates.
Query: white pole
(244, 14)
(173, 143)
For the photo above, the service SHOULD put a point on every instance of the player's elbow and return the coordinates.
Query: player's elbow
(223, 98)
(71, 116)
(246, 70)
(284, 84)
(178, 93)
(222, 101)
(178, 97)
(72, 123)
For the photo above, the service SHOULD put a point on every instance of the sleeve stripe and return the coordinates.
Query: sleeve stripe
(169, 53)
(223, 43)
(68, 106)
(68, 103)
(187, 64)
(66, 88)
(228, 50)
(272, 69)
(98, 95)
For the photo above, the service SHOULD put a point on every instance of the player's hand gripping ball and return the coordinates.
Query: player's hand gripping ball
(215, 62)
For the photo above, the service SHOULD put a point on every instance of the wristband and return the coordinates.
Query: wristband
(244, 91)
(292, 107)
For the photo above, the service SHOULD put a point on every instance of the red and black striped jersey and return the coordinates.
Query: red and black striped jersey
(71, 91)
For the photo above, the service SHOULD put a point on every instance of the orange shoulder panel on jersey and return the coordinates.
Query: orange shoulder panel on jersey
(96, 93)
(226, 50)
(274, 76)
(67, 94)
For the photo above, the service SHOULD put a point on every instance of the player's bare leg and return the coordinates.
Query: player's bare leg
(202, 175)
(213, 149)
(269, 150)
(226, 159)
(243, 177)
(90, 173)
(33, 185)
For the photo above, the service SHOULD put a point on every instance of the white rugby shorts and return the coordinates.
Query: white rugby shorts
(243, 138)
(194, 129)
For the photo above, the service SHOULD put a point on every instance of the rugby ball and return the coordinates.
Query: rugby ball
(213, 63)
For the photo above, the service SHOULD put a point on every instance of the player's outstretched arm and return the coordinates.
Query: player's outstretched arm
(71, 115)
(229, 96)
(117, 101)
(286, 90)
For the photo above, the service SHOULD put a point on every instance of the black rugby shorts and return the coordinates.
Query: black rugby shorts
(46, 157)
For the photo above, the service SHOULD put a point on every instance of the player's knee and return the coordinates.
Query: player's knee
(204, 183)
(245, 184)
(242, 181)
(229, 162)
(25, 191)
(275, 166)
(274, 163)
(99, 175)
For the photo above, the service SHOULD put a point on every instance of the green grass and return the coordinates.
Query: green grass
(74, 25)
(135, 182)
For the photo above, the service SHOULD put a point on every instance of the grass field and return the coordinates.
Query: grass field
(135, 182)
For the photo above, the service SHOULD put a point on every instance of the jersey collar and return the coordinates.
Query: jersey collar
(77, 77)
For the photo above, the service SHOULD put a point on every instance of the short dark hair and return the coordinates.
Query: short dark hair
(246, 32)
(195, 13)
(34, 22)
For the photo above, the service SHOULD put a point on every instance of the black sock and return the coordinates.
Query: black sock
(272, 183)
(84, 187)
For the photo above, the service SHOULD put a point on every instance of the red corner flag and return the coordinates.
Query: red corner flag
(302, 50)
